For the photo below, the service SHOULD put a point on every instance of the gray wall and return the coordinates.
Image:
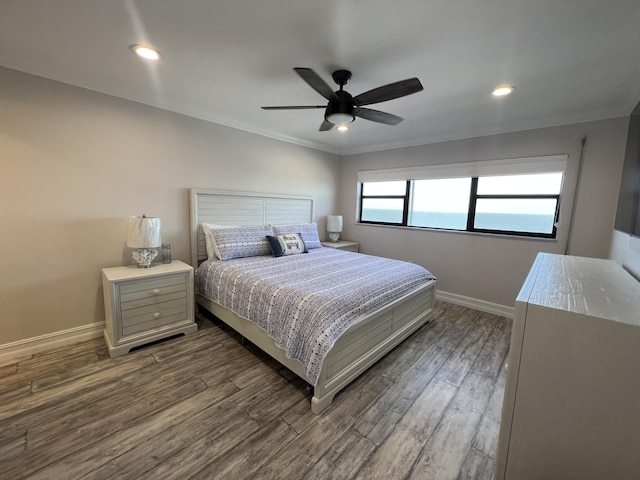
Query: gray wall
(492, 268)
(75, 164)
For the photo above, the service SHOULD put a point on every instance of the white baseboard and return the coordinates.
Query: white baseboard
(29, 346)
(476, 304)
(50, 341)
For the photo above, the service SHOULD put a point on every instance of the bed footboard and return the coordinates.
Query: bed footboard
(367, 341)
(359, 347)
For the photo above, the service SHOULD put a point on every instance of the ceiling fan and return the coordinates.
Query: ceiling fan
(343, 108)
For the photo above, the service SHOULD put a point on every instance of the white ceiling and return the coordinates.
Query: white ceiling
(570, 60)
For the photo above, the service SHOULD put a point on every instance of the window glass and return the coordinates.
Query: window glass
(537, 184)
(516, 215)
(384, 188)
(440, 203)
(387, 210)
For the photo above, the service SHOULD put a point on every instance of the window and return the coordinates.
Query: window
(384, 202)
(518, 203)
(516, 197)
(440, 203)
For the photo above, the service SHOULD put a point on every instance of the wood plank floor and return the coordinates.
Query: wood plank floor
(205, 407)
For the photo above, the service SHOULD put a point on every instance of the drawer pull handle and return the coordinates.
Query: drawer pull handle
(156, 291)
(156, 315)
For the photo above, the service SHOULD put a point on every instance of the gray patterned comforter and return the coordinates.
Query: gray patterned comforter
(304, 302)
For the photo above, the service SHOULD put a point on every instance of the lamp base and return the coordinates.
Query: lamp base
(144, 256)
(334, 236)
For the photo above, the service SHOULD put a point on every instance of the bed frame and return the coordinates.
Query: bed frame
(359, 347)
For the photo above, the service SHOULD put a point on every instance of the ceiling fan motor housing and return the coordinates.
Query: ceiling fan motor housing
(340, 111)
(341, 77)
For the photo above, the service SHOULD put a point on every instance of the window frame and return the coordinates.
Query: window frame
(471, 213)
(475, 196)
(405, 205)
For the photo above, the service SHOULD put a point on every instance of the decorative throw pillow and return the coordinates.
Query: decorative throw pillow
(308, 232)
(289, 244)
(241, 241)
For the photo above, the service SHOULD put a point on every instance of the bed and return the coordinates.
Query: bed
(366, 332)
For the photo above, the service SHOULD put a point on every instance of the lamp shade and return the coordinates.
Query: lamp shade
(334, 223)
(143, 232)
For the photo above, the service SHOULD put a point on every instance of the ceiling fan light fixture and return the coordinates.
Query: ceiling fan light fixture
(340, 111)
(339, 118)
(343, 127)
(502, 90)
(146, 52)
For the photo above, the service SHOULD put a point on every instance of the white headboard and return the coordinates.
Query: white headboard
(224, 207)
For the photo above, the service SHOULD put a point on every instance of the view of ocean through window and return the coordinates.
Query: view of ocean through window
(458, 221)
(522, 204)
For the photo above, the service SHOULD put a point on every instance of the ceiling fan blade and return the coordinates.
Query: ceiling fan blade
(377, 116)
(388, 92)
(294, 107)
(325, 126)
(317, 83)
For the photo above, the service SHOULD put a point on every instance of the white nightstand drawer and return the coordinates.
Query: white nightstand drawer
(152, 299)
(129, 315)
(150, 319)
(148, 292)
(138, 286)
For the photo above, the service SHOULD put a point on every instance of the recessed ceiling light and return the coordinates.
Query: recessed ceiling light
(502, 90)
(146, 52)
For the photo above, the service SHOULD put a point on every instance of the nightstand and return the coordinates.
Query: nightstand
(342, 245)
(147, 304)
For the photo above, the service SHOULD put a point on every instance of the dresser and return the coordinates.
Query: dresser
(571, 405)
(143, 305)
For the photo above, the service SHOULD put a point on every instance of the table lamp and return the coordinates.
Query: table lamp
(144, 237)
(334, 227)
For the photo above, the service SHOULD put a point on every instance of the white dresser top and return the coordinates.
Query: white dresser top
(588, 286)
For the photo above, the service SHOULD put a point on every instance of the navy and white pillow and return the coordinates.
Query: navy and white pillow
(288, 244)
(308, 232)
